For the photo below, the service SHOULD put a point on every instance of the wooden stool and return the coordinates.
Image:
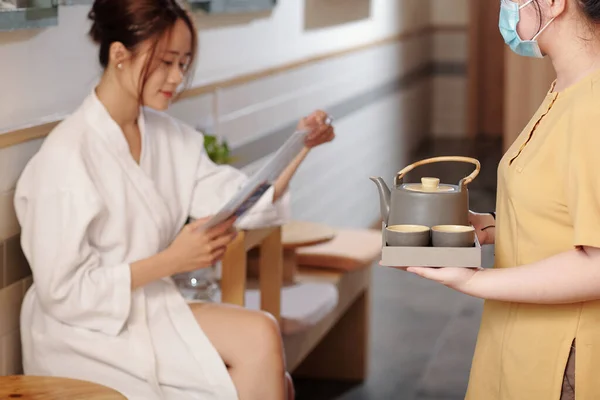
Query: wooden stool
(53, 388)
(294, 235)
(300, 234)
(351, 249)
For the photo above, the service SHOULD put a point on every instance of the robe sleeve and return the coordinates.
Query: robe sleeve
(216, 184)
(72, 283)
(583, 179)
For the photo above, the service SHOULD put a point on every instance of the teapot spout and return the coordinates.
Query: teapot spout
(384, 197)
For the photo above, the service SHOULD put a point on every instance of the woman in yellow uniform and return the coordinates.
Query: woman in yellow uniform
(541, 323)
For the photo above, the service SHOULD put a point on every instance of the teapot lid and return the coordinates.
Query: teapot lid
(430, 185)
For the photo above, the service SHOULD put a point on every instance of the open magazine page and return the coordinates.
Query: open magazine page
(261, 181)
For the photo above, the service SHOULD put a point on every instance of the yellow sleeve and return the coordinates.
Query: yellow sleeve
(583, 178)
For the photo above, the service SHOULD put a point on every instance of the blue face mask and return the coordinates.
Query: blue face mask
(509, 18)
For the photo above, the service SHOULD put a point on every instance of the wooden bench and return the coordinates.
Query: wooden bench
(336, 347)
(50, 388)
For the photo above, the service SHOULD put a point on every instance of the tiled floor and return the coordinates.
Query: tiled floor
(422, 334)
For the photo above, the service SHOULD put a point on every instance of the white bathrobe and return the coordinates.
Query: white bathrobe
(87, 210)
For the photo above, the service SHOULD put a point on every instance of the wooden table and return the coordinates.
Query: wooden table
(296, 234)
(52, 388)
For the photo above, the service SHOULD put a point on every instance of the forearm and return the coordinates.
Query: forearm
(485, 222)
(490, 229)
(491, 236)
(151, 269)
(283, 181)
(569, 277)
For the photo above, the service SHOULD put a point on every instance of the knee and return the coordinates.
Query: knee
(264, 325)
(264, 334)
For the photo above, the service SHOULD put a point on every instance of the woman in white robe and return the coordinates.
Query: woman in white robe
(102, 206)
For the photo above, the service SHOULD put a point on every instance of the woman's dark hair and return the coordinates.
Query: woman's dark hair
(591, 9)
(132, 22)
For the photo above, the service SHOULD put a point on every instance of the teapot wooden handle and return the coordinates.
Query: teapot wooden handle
(464, 181)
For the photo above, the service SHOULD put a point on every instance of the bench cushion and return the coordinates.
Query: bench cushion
(303, 305)
(349, 250)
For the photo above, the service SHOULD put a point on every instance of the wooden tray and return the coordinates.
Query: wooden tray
(463, 257)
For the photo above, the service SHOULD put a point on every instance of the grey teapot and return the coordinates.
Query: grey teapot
(428, 203)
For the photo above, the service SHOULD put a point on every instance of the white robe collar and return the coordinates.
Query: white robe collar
(116, 143)
(103, 123)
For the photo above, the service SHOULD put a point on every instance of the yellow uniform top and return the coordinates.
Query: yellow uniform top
(548, 201)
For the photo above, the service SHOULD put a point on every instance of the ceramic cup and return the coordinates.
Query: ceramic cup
(453, 236)
(407, 235)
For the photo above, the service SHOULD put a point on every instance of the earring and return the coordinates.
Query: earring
(120, 66)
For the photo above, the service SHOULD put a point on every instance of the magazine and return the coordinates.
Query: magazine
(261, 181)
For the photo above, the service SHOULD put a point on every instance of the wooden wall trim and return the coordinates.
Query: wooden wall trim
(473, 69)
(254, 76)
(486, 78)
(21, 135)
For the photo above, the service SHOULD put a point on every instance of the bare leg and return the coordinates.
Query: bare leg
(291, 394)
(249, 343)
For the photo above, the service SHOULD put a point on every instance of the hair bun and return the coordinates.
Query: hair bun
(95, 30)
(132, 22)
(96, 33)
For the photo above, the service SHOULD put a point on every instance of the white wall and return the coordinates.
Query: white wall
(248, 111)
(332, 186)
(50, 71)
(46, 73)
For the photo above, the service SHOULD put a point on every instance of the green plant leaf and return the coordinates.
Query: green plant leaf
(219, 153)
